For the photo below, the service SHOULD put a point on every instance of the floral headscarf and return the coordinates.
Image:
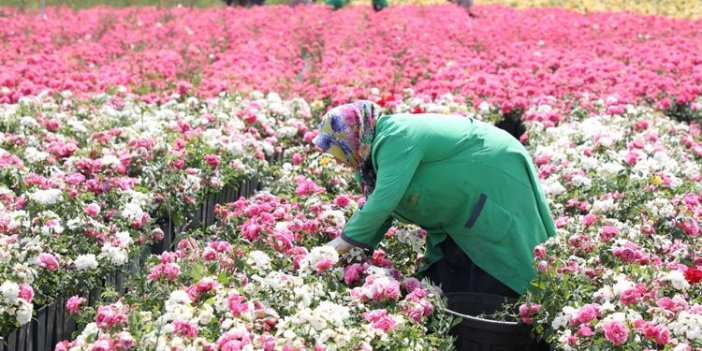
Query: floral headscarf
(347, 132)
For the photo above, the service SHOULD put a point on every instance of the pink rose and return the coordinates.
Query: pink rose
(184, 328)
(250, 231)
(352, 273)
(608, 232)
(155, 272)
(411, 284)
(631, 158)
(171, 270)
(52, 125)
(297, 159)
(589, 219)
(629, 296)
(92, 210)
(101, 345)
(588, 313)
(392, 290)
(109, 316)
(237, 304)
(380, 320)
(26, 292)
(542, 160)
(526, 312)
(206, 285)
(187, 245)
(233, 341)
(309, 136)
(662, 335)
(212, 160)
(540, 251)
(324, 265)
(209, 255)
(267, 342)
(342, 201)
(48, 261)
(385, 324)
(124, 341)
(74, 178)
(616, 332)
(585, 331)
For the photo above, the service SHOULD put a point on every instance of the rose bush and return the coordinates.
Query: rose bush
(263, 288)
(84, 181)
(623, 273)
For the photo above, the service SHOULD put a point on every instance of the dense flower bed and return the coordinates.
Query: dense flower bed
(511, 58)
(624, 273)
(623, 182)
(83, 183)
(86, 183)
(262, 287)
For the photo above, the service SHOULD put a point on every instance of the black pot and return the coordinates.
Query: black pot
(479, 334)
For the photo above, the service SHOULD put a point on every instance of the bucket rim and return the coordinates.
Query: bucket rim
(475, 318)
(478, 319)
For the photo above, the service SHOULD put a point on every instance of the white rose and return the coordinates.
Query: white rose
(132, 211)
(117, 256)
(124, 239)
(677, 280)
(110, 160)
(206, 314)
(259, 260)
(24, 313)
(10, 292)
(86, 262)
(46, 197)
(32, 155)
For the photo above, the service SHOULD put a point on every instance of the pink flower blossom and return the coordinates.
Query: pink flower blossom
(26, 292)
(74, 303)
(608, 233)
(48, 261)
(380, 319)
(297, 159)
(92, 210)
(342, 201)
(212, 160)
(616, 332)
(237, 304)
(185, 328)
(110, 316)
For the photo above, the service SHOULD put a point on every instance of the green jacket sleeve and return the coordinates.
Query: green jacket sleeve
(396, 162)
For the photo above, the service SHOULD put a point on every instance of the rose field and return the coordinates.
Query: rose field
(159, 189)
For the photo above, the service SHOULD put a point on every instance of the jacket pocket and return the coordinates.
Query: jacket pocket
(488, 220)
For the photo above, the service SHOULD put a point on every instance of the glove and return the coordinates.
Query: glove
(340, 245)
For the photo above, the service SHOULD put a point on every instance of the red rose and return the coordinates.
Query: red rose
(693, 275)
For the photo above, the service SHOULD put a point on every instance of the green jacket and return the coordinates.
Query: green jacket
(459, 177)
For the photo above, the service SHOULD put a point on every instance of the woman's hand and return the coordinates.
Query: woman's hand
(340, 245)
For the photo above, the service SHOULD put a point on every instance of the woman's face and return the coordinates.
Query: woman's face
(340, 157)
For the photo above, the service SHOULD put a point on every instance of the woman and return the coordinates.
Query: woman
(470, 185)
(466, 4)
